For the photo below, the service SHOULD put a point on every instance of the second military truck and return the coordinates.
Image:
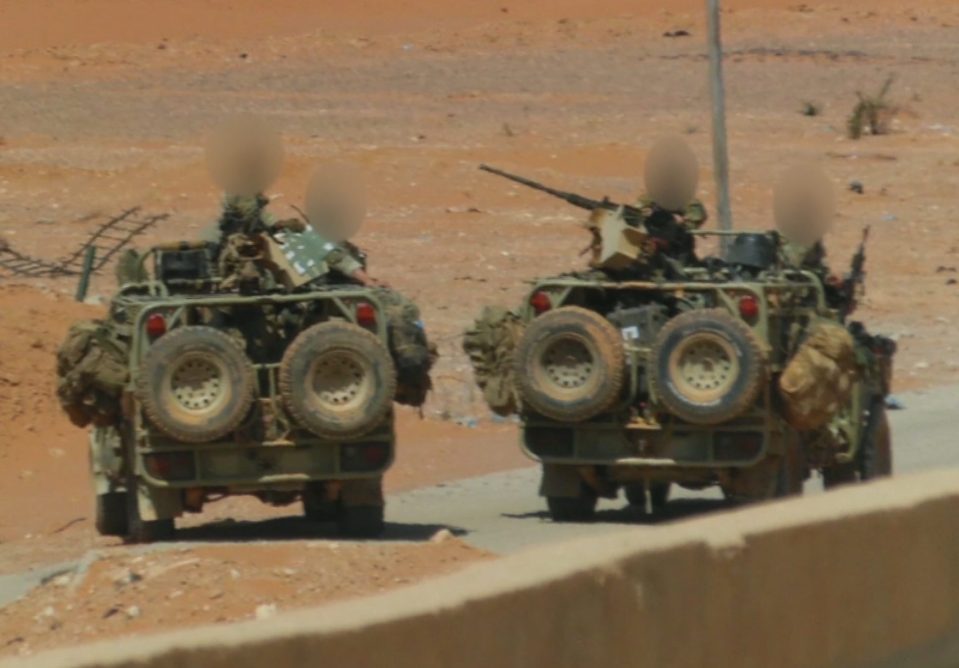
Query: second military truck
(650, 370)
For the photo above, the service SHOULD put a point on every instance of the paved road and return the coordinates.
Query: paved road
(502, 512)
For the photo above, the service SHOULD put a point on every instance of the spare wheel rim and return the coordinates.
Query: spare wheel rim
(339, 381)
(198, 385)
(704, 368)
(567, 366)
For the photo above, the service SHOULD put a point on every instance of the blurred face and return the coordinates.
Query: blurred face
(671, 173)
(336, 201)
(804, 204)
(244, 156)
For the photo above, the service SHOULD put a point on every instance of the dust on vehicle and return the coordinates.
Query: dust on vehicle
(655, 368)
(265, 361)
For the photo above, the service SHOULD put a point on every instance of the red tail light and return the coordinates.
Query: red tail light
(364, 456)
(156, 325)
(540, 302)
(365, 315)
(170, 465)
(748, 307)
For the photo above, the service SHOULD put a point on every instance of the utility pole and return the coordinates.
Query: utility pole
(720, 155)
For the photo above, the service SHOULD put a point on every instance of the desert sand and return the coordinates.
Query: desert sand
(106, 103)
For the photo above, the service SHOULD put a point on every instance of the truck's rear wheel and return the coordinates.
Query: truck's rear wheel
(111, 514)
(876, 449)
(570, 364)
(776, 477)
(707, 366)
(580, 508)
(337, 380)
(792, 466)
(317, 506)
(195, 384)
(839, 474)
(658, 495)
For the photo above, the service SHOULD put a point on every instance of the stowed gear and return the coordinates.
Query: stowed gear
(91, 373)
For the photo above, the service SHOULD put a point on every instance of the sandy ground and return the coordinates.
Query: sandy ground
(106, 104)
(129, 593)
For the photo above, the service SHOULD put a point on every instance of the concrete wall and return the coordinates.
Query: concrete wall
(859, 577)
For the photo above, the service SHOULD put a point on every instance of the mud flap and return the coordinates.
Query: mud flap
(561, 481)
(106, 460)
(365, 492)
(158, 504)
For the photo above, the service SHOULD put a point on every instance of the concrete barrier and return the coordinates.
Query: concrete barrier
(867, 576)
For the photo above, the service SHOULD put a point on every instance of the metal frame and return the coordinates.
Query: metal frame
(799, 283)
(153, 297)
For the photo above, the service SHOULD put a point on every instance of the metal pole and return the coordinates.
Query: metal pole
(720, 156)
(83, 285)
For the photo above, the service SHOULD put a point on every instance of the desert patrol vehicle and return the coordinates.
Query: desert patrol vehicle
(643, 372)
(241, 366)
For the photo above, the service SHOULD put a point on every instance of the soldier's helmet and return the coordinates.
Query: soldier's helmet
(244, 156)
(671, 173)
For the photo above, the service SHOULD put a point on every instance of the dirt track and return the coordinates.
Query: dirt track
(105, 105)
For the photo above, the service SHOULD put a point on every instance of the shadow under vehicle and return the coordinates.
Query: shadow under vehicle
(283, 394)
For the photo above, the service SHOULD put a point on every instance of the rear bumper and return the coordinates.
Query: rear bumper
(231, 465)
(672, 446)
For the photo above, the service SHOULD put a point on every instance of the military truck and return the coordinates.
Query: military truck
(284, 394)
(643, 373)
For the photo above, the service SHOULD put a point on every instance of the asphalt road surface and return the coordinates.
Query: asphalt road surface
(503, 513)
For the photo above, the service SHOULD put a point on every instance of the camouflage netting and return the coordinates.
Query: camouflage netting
(818, 379)
(490, 343)
(91, 373)
(412, 353)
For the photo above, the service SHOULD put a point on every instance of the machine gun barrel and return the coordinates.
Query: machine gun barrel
(572, 198)
(632, 214)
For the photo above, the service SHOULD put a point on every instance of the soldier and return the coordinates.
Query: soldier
(245, 216)
(244, 157)
(669, 209)
(804, 207)
(630, 241)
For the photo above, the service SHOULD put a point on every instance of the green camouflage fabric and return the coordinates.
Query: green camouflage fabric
(245, 214)
(812, 257)
(412, 352)
(340, 260)
(129, 269)
(490, 344)
(818, 379)
(91, 374)
(672, 228)
(241, 265)
(307, 249)
(805, 256)
(692, 216)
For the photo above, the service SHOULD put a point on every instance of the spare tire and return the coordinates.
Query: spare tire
(337, 380)
(570, 364)
(195, 384)
(707, 366)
